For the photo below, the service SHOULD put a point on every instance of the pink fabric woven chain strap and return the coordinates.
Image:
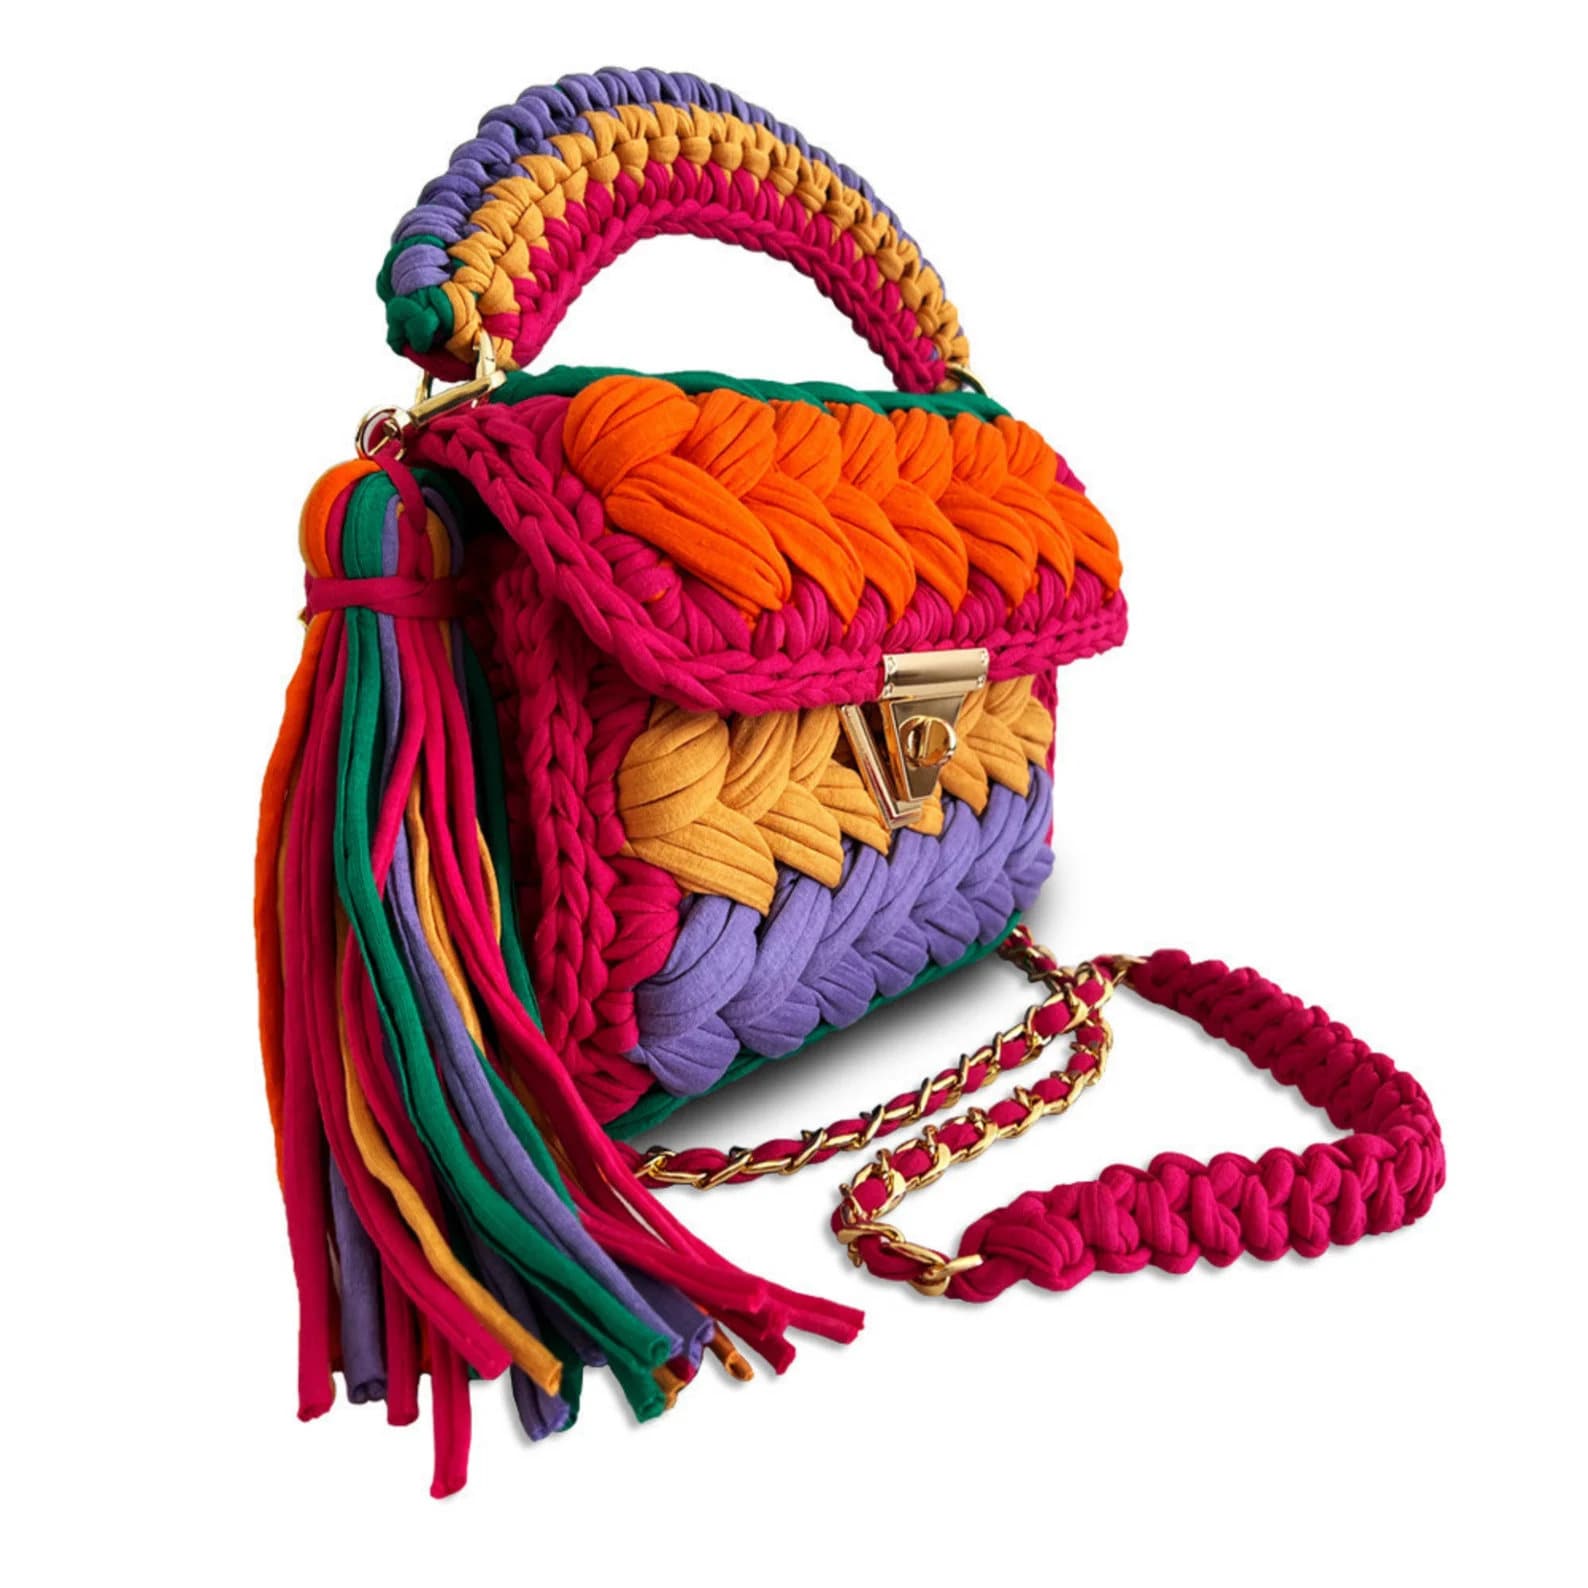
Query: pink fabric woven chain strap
(1169, 1215)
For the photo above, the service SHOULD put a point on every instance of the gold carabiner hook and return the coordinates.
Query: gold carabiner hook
(384, 427)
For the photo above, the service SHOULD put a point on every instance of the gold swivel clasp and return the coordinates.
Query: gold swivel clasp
(396, 427)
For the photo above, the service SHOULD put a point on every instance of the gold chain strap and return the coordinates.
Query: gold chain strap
(1090, 1041)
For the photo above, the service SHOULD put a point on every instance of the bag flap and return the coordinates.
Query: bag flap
(747, 547)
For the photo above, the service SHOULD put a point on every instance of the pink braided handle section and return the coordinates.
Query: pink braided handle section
(1177, 1210)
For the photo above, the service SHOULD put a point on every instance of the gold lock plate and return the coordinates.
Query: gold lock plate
(904, 739)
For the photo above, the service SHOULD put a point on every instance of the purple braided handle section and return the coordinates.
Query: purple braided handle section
(734, 981)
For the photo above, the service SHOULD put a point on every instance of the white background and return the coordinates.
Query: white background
(1299, 292)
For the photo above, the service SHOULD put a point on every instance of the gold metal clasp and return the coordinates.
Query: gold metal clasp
(384, 427)
(917, 716)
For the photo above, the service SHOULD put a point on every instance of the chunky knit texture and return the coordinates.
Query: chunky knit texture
(737, 981)
(680, 639)
(620, 669)
(720, 805)
(743, 494)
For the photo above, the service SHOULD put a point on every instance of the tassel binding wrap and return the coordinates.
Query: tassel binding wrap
(560, 829)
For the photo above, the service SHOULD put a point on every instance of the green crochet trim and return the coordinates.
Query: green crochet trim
(417, 321)
(566, 380)
(383, 282)
(420, 321)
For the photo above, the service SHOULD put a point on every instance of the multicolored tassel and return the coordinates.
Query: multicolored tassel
(452, 1203)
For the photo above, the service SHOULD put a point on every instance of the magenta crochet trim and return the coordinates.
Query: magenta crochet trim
(602, 921)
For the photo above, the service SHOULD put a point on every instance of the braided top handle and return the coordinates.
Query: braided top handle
(556, 185)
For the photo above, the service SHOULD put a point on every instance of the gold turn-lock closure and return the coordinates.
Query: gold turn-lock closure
(904, 739)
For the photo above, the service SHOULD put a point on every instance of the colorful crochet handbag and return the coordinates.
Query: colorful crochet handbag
(650, 728)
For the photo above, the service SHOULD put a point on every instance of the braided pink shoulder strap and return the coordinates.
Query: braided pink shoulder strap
(1171, 1214)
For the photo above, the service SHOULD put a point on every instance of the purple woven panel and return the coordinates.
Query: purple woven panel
(737, 980)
